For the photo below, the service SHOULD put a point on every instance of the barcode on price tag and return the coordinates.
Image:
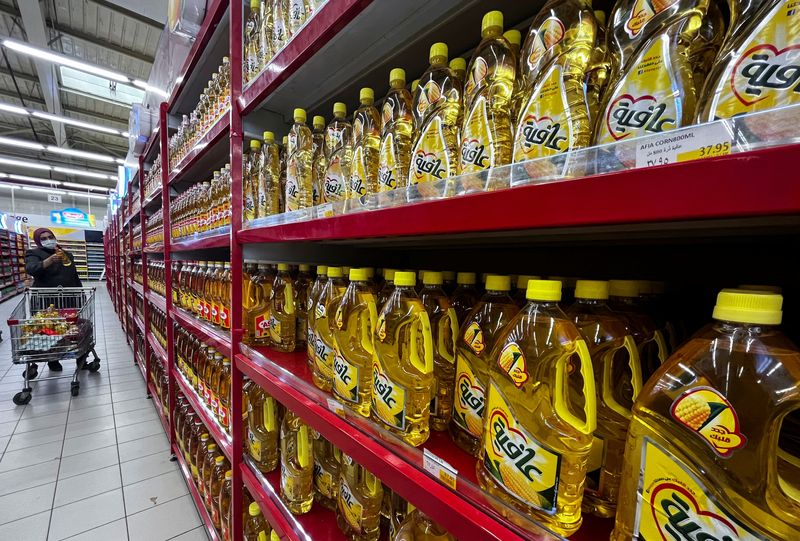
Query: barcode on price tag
(440, 469)
(336, 407)
(703, 141)
(325, 210)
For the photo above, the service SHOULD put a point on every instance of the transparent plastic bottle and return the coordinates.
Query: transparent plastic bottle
(465, 296)
(396, 135)
(252, 30)
(313, 296)
(299, 165)
(319, 162)
(420, 527)
(540, 415)
(403, 379)
(302, 288)
(359, 503)
(262, 429)
(297, 465)
(327, 458)
(366, 146)
(338, 155)
(221, 466)
(256, 528)
(388, 287)
(265, 34)
(325, 308)
(224, 402)
(280, 25)
(197, 459)
(476, 338)
(522, 287)
(257, 316)
(298, 11)
(269, 171)
(702, 454)
(354, 321)
(206, 470)
(283, 317)
(459, 67)
(250, 177)
(225, 497)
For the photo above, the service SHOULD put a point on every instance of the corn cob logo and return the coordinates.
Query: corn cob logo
(708, 414)
(473, 337)
(512, 362)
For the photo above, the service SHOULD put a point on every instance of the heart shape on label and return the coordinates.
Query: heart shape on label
(761, 73)
(622, 112)
(675, 509)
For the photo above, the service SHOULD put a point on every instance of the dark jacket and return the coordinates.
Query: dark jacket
(53, 276)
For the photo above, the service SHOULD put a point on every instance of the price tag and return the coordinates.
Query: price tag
(325, 210)
(440, 469)
(336, 407)
(703, 141)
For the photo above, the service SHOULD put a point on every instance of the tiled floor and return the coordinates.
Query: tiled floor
(93, 467)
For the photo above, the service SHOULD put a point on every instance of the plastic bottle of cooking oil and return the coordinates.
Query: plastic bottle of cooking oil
(338, 155)
(313, 296)
(618, 377)
(327, 458)
(521, 290)
(299, 165)
(444, 329)
(702, 459)
(282, 191)
(265, 34)
(745, 79)
(486, 132)
(269, 171)
(354, 322)
(437, 114)
(360, 496)
(366, 146)
(258, 317)
(298, 11)
(252, 28)
(418, 526)
(280, 25)
(459, 67)
(477, 336)
(319, 164)
(225, 496)
(539, 414)
(325, 308)
(465, 296)
(624, 299)
(256, 528)
(221, 465)
(283, 316)
(250, 177)
(262, 429)
(388, 287)
(302, 288)
(403, 379)
(414, 86)
(397, 134)
(297, 464)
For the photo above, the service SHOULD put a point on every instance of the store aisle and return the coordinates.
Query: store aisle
(92, 467)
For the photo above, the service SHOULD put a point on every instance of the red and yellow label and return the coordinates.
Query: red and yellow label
(512, 362)
(470, 399)
(261, 325)
(642, 12)
(430, 161)
(477, 143)
(473, 337)
(708, 414)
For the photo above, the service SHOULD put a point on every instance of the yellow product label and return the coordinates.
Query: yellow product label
(594, 467)
(323, 357)
(473, 337)
(323, 481)
(381, 327)
(765, 70)
(674, 504)
(254, 446)
(261, 324)
(430, 160)
(545, 125)
(512, 362)
(477, 144)
(470, 400)
(352, 510)
(388, 398)
(334, 185)
(292, 185)
(549, 34)
(525, 468)
(274, 329)
(646, 100)
(478, 73)
(346, 379)
(358, 174)
(262, 536)
(642, 12)
(339, 317)
(387, 162)
(708, 414)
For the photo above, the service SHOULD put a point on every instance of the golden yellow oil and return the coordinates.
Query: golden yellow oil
(329, 297)
(397, 134)
(366, 146)
(327, 458)
(299, 165)
(319, 161)
(302, 288)
(250, 180)
(297, 464)
(313, 296)
(418, 526)
(283, 316)
(269, 170)
(358, 512)
(263, 416)
(252, 29)
(338, 155)
(257, 317)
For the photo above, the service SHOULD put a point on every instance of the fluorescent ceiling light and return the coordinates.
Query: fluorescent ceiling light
(43, 190)
(66, 170)
(149, 88)
(31, 179)
(9, 186)
(79, 153)
(64, 60)
(86, 83)
(84, 186)
(13, 109)
(21, 143)
(83, 173)
(75, 122)
(21, 163)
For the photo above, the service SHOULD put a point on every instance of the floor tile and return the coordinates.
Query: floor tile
(86, 515)
(79, 464)
(33, 528)
(113, 531)
(94, 412)
(24, 503)
(91, 426)
(38, 423)
(127, 395)
(131, 450)
(139, 430)
(86, 485)
(135, 417)
(133, 405)
(26, 457)
(41, 408)
(31, 476)
(89, 442)
(146, 467)
(6, 429)
(37, 437)
(164, 521)
(83, 401)
(154, 491)
(197, 534)
(11, 415)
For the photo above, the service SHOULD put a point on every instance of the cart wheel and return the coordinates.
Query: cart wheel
(32, 372)
(94, 366)
(20, 399)
(75, 388)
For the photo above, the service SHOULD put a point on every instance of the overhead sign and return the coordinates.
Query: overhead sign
(72, 216)
(54, 198)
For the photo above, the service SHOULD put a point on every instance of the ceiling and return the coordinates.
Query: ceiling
(119, 35)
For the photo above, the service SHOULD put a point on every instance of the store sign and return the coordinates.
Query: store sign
(13, 223)
(54, 198)
(72, 216)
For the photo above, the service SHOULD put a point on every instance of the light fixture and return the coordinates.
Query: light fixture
(21, 143)
(38, 180)
(79, 153)
(144, 86)
(9, 186)
(43, 190)
(65, 170)
(83, 186)
(82, 173)
(75, 122)
(29, 165)
(13, 109)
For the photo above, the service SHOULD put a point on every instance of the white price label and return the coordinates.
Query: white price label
(440, 469)
(325, 210)
(336, 407)
(703, 141)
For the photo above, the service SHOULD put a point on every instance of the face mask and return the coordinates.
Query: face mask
(50, 243)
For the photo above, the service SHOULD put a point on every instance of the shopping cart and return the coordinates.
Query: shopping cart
(53, 324)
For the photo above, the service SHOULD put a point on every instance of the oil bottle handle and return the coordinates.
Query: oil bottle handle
(636, 376)
(269, 414)
(367, 330)
(635, 364)
(303, 447)
(288, 298)
(662, 346)
(590, 400)
(422, 324)
(445, 349)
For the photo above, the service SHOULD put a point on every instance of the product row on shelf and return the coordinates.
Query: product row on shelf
(204, 207)
(155, 229)
(203, 289)
(152, 179)
(13, 246)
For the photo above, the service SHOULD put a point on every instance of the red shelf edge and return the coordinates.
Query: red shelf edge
(142, 367)
(154, 343)
(137, 287)
(198, 500)
(213, 136)
(209, 334)
(158, 406)
(221, 240)
(139, 323)
(217, 432)
(157, 300)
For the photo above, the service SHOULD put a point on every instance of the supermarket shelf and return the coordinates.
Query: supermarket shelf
(466, 512)
(142, 367)
(319, 524)
(137, 287)
(157, 300)
(720, 188)
(154, 249)
(139, 322)
(159, 407)
(154, 197)
(210, 334)
(217, 432)
(159, 350)
(154, 138)
(221, 240)
(208, 152)
(198, 500)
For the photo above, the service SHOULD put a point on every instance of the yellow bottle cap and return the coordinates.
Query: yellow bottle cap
(255, 144)
(514, 37)
(228, 474)
(388, 274)
(335, 272)
(283, 266)
(493, 19)
(269, 137)
(358, 275)
(219, 459)
(339, 108)
(397, 74)
(273, 536)
(496, 282)
(543, 290)
(319, 122)
(255, 4)
(449, 276)
(760, 287)
(600, 16)
(305, 268)
(322, 269)
(285, 140)
(458, 64)
(414, 85)
(254, 510)
(623, 288)
(405, 278)
(743, 306)
(438, 50)
(212, 446)
(299, 115)
(465, 278)
(645, 287)
(366, 95)
(591, 289)
(432, 278)
(523, 279)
